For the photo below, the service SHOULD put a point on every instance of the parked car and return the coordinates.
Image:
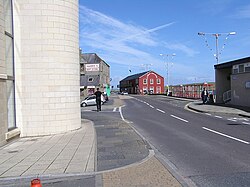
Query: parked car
(91, 100)
(124, 93)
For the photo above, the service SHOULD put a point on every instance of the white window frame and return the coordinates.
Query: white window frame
(145, 81)
(158, 89)
(151, 81)
(151, 88)
(158, 81)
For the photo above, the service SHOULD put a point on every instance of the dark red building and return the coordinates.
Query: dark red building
(145, 82)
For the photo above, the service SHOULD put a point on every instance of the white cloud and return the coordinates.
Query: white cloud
(109, 35)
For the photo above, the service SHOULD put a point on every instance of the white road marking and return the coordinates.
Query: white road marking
(232, 120)
(179, 118)
(120, 110)
(151, 106)
(231, 137)
(114, 109)
(161, 110)
(246, 123)
(208, 114)
(218, 117)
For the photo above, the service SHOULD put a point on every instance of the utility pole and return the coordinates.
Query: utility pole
(168, 68)
(217, 35)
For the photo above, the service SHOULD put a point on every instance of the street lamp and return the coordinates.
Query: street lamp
(216, 40)
(167, 63)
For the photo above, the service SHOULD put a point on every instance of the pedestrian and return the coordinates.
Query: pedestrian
(98, 95)
(204, 95)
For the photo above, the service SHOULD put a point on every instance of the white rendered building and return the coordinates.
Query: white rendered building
(39, 67)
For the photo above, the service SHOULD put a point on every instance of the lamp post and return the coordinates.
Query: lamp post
(167, 63)
(216, 35)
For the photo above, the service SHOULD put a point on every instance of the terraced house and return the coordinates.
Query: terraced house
(39, 67)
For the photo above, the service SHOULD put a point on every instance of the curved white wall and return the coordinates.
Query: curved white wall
(47, 66)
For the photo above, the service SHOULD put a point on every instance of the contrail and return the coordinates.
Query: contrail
(149, 31)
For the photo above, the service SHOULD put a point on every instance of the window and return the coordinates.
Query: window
(247, 67)
(151, 81)
(241, 68)
(9, 60)
(151, 90)
(158, 81)
(90, 79)
(145, 81)
(158, 89)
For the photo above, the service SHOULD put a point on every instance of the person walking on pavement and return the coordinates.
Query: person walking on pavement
(204, 95)
(98, 95)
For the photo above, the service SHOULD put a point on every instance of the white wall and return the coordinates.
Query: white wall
(47, 66)
(3, 76)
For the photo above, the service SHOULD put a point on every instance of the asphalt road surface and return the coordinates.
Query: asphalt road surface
(206, 149)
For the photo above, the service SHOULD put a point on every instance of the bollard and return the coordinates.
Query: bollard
(36, 183)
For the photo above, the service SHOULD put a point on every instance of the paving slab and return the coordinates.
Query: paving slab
(55, 154)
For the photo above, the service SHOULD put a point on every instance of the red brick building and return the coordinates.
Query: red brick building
(192, 90)
(145, 82)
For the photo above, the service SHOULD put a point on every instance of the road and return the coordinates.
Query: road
(207, 149)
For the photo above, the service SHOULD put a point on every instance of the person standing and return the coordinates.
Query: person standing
(204, 95)
(98, 95)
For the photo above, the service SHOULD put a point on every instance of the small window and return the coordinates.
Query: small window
(90, 79)
(144, 81)
(151, 81)
(235, 71)
(158, 81)
(247, 69)
(158, 89)
(241, 68)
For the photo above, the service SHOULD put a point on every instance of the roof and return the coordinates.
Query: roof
(91, 58)
(135, 76)
(230, 64)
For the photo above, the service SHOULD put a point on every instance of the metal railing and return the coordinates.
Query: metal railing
(227, 96)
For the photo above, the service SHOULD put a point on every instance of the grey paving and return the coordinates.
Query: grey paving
(72, 152)
(216, 108)
(118, 144)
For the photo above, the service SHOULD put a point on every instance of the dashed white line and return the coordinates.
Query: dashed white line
(179, 118)
(151, 106)
(232, 120)
(208, 114)
(218, 117)
(114, 109)
(246, 123)
(225, 135)
(161, 110)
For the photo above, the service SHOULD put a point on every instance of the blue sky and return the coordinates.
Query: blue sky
(131, 35)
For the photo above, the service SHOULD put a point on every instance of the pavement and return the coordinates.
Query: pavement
(67, 158)
(219, 108)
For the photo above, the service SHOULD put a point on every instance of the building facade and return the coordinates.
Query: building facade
(95, 73)
(142, 83)
(233, 82)
(39, 67)
(191, 90)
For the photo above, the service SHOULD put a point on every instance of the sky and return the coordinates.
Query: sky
(130, 35)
